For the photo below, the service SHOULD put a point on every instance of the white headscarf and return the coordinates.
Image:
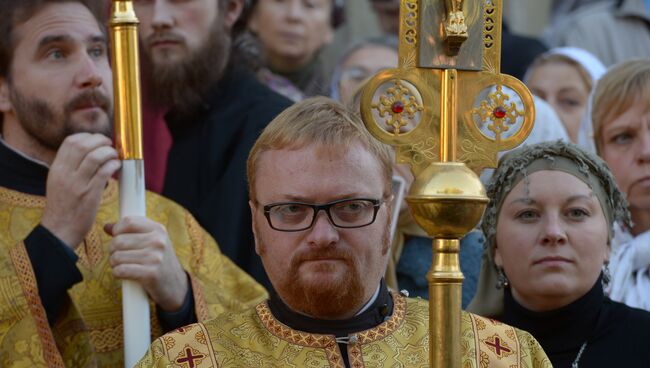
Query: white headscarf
(596, 69)
(630, 268)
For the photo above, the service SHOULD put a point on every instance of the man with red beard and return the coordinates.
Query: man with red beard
(320, 189)
(216, 110)
(63, 251)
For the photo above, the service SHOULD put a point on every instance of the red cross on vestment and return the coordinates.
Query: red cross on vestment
(498, 348)
(189, 358)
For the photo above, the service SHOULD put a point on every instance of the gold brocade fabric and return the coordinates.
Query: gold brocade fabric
(89, 330)
(256, 339)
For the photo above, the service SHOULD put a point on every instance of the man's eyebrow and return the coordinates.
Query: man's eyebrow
(98, 39)
(47, 40)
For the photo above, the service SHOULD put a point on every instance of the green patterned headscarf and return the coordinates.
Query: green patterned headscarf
(516, 166)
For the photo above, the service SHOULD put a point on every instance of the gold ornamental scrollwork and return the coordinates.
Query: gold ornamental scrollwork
(470, 152)
(411, 22)
(419, 154)
(489, 27)
(491, 37)
(399, 106)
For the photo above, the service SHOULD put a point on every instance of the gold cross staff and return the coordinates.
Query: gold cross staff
(448, 111)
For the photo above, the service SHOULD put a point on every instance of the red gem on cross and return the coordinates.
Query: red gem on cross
(398, 107)
(499, 112)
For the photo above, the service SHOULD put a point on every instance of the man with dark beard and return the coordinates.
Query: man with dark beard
(63, 251)
(217, 109)
(320, 189)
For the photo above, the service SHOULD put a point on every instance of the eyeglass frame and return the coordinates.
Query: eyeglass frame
(376, 203)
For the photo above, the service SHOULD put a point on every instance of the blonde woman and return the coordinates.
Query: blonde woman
(621, 120)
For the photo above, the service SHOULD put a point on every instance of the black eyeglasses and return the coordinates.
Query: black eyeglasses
(344, 213)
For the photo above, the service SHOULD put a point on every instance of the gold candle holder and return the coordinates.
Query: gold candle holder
(126, 80)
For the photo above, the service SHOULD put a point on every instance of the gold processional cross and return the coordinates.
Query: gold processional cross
(448, 111)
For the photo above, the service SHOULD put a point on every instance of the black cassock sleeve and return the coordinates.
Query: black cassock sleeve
(183, 317)
(54, 265)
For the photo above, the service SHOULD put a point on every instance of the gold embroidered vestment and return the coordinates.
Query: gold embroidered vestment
(89, 331)
(256, 339)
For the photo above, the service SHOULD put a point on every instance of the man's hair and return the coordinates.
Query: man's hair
(319, 121)
(618, 90)
(13, 12)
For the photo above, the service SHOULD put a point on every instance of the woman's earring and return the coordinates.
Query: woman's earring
(607, 275)
(502, 279)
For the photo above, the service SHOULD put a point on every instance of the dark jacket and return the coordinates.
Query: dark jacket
(206, 167)
(518, 52)
(613, 334)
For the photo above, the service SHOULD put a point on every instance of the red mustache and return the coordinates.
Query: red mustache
(327, 253)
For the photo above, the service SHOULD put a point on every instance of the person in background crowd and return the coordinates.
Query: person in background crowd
(518, 52)
(292, 34)
(548, 227)
(63, 248)
(348, 33)
(217, 108)
(562, 8)
(564, 77)
(388, 14)
(320, 199)
(614, 31)
(621, 118)
(360, 62)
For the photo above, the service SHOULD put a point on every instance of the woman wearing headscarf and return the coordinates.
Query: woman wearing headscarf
(564, 77)
(621, 120)
(548, 226)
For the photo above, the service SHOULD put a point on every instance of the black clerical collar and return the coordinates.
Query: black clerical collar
(374, 315)
(21, 173)
(562, 329)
